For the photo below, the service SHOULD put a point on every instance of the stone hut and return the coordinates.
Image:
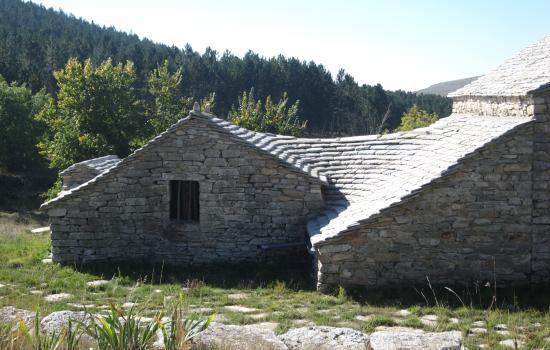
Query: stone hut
(465, 199)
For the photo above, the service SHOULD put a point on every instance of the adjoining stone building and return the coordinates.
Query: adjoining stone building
(465, 199)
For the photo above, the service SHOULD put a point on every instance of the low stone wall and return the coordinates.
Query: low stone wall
(473, 224)
(518, 106)
(247, 199)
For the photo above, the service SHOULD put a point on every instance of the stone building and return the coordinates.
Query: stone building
(465, 199)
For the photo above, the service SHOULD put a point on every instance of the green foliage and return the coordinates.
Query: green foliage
(168, 105)
(18, 131)
(379, 320)
(416, 118)
(95, 113)
(181, 329)
(53, 191)
(270, 117)
(329, 105)
(122, 331)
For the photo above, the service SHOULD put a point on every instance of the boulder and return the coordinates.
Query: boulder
(57, 321)
(12, 315)
(227, 337)
(415, 339)
(325, 338)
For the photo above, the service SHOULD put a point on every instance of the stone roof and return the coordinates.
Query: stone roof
(367, 174)
(97, 165)
(363, 174)
(526, 71)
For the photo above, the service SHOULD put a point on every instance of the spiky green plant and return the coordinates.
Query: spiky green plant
(122, 331)
(180, 330)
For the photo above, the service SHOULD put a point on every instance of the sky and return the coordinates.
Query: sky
(403, 44)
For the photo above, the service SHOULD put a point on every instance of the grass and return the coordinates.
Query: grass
(285, 297)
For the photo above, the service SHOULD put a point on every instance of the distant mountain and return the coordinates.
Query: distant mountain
(446, 87)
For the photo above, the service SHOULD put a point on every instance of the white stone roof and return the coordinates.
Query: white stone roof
(364, 174)
(526, 71)
(98, 165)
(369, 173)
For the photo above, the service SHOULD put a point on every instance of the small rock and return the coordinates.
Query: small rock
(96, 283)
(504, 333)
(41, 229)
(266, 325)
(259, 316)
(158, 291)
(241, 309)
(47, 261)
(237, 337)
(501, 327)
(2, 285)
(416, 339)
(58, 297)
(363, 318)
(237, 296)
(537, 325)
(323, 311)
(454, 320)
(429, 320)
(511, 343)
(128, 305)
(479, 324)
(36, 292)
(325, 338)
(483, 346)
(403, 313)
(478, 330)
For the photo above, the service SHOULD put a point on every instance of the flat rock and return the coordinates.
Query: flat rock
(503, 332)
(41, 229)
(325, 338)
(57, 321)
(259, 316)
(501, 327)
(237, 337)
(479, 324)
(362, 318)
(10, 314)
(271, 326)
(58, 297)
(454, 320)
(96, 283)
(429, 320)
(240, 308)
(403, 313)
(415, 339)
(128, 305)
(478, 330)
(47, 261)
(36, 292)
(511, 343)
(238, 296)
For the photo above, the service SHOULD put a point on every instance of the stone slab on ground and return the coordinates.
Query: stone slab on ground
(237, 337)
(325, 338)
(41, 229)
(58, 297)
(96, 283)
(512, 343)
(415, 339)
(240, 308)
(238, 296)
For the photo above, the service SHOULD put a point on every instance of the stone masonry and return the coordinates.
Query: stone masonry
(247, 199)
(462, 201)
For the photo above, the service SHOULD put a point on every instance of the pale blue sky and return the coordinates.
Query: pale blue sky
(400, 44)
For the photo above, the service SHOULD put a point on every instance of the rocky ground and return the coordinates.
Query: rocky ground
(259, 337)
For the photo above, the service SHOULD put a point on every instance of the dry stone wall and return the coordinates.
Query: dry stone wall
(247, 199)
(473, 224)
(541, 188)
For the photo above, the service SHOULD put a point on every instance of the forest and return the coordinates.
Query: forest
(36, 42)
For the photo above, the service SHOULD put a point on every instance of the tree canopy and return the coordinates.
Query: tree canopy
(416, 118)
